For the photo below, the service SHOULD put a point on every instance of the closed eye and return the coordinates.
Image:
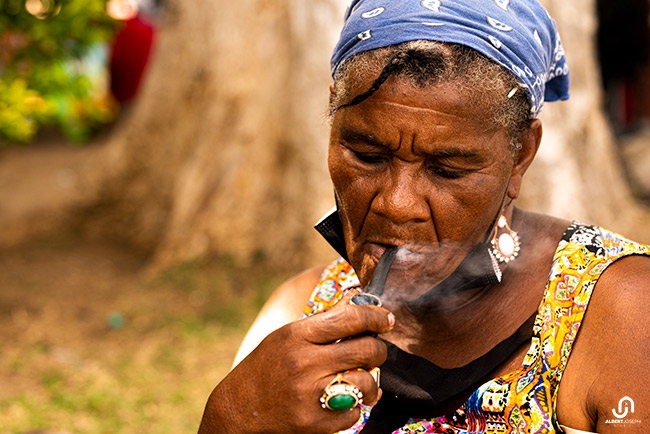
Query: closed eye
(369, 158)
(449, 174)
(444, 171)
(454, 164)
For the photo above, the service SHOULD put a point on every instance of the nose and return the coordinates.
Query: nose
(401, 197)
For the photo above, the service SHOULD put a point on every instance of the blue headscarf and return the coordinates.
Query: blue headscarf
(517, 34)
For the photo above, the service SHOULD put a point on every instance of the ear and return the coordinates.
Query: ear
(530, 140)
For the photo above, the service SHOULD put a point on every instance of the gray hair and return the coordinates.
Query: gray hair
(427, 63)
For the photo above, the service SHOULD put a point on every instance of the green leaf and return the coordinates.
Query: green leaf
(50, 69)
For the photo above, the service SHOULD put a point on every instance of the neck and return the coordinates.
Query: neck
(449, 302)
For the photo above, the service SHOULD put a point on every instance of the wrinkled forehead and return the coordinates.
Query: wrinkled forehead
(401, 108)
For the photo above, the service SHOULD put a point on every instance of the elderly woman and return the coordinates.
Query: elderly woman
(443, 284)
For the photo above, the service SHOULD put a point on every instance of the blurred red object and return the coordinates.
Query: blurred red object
(129, 57)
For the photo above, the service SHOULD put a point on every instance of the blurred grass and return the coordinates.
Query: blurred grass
(151, 374)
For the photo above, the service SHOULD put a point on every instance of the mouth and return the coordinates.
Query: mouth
(406, 257)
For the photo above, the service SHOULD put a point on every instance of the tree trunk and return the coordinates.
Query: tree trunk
(225, 151)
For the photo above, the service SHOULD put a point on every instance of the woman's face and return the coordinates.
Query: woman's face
(420, 168)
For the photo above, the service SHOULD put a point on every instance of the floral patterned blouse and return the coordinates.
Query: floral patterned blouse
(522, 401)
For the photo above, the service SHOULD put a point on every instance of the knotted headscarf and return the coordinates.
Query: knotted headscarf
(520, 35)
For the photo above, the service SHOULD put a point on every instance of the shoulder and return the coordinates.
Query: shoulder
(610, 356)
(617, 324)
(617, 316)
(618, 310)
(539, 229)
(285, 305)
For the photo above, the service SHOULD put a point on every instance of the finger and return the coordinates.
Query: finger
(360, 385)
(346, 298)
(339, 419)
(359, 352)
(368, 384)
(319, 419)
(344, 301)
(345, 321)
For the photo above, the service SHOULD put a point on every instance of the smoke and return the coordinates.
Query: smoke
(439, 277)
(417, 269)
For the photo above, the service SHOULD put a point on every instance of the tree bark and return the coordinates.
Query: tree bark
(225, 150)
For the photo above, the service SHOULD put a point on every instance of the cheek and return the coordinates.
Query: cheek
(336, 167)
(478, 207)
(354, 194)
(350, 181)
(354, 190)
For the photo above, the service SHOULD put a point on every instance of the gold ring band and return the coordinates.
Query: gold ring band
(340, 394)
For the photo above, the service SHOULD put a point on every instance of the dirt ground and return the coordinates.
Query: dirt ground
(88, 343)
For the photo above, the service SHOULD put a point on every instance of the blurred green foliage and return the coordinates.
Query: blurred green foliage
(53, 67)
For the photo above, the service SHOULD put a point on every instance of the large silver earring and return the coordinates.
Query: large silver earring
(505, 247)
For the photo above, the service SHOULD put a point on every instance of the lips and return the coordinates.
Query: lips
(407, 257)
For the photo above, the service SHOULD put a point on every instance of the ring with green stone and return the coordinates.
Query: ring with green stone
(340, 394)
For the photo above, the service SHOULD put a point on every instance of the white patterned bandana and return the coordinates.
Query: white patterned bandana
(520, 35)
